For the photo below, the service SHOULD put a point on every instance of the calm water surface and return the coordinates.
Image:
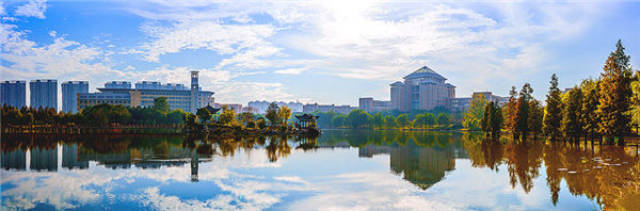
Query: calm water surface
(382, 170)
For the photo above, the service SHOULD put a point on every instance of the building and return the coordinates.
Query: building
(370, 105)
(70, 91)
(249, 109)
(462, 104)
(237, 108)
(261, 106)
(44, 93)
(178, 95)
(13, 93)
(424, 89)
(315, 107)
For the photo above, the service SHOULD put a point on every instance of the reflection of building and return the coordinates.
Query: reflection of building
(70, 90)
(16, 159)
(70, 158)
(419, 165)
(44, 159)
(343, 109)
(44, 93)
(13, 93)
(121, 93)
(370, 105)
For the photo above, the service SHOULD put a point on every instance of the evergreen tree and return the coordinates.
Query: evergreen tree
(378, 120)
(588, 115)
(536, 113)
(485, 123)
(553, 112)
(522, 111)
(615, 93)
(496, 121)
(571, 121)
(272, 114)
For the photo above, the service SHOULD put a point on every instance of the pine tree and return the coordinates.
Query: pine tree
(496, 120)
(571, 122)
(615, 93)
(553, 112)
(522, 111)
(536, 113)
(588, 114)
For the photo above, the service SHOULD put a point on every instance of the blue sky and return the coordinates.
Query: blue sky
(327, 51)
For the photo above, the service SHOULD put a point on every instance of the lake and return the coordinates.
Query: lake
(340, 170)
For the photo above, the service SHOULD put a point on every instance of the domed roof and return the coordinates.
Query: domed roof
(424, 72)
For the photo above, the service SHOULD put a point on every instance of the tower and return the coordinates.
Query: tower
(194, 91)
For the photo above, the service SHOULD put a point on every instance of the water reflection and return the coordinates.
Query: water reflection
(579, 175)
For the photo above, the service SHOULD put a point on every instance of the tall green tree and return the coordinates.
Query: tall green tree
(429, 119)
(203, 115)
(358, 118)
(536, 114)
(338, 121)
(571, 121)
(615, 93)
(522, 111)
(475, 113)
(390, 122)
(553, 112)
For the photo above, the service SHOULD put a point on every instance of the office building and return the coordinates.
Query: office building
(315, 107)
(370, 105)
(423, 89)
(13, 93)
(70, 91)
(178, 95)
(44, 93)
(261, 106)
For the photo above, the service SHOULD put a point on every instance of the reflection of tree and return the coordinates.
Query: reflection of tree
(523, 160)
(421, 166)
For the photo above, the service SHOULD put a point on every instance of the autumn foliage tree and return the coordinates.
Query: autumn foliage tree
(615, 93)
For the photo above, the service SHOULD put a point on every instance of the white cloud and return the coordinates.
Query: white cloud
(2, 11)
(291, 71)
(53, 33)
(34, 8)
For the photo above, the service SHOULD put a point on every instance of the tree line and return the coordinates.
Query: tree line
(360, 119)
(604, 108)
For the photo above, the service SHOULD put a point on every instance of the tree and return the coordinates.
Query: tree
(403, 120)
(475, 112)
(536, 114)
(284, 113)
(378, 120)
(492, 119)
(553, 112)
(204, 115)
(161, 105)
(522, 111)
(589, 117)
(443, 119)
(339, 121)
(390, 122)
(419, 121)
(615, 93)
(272, 114)
(247, 119)
(358, 118)
(227, 117)
(509, 113)
(430, 119)
(571, 122)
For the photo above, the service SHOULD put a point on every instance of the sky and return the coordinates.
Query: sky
(330, 52)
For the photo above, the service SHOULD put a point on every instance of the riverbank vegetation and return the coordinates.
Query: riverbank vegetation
(105, 118)
(359, 119)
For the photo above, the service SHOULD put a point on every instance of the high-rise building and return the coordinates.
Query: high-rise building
(178, 95)
(424, 89)
(44, 93)
(13, 93)
(70, 91)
